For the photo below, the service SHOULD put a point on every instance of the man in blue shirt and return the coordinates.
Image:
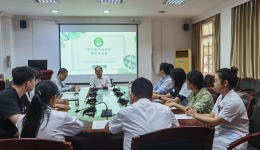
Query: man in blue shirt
(165, 85)
(61, 76)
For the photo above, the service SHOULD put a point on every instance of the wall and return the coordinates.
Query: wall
(225, 35)
(168, 36)
(40, 40)
(7, 46)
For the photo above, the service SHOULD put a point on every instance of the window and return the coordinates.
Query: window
(207, 44)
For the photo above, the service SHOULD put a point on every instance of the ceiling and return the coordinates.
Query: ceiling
(131, 8)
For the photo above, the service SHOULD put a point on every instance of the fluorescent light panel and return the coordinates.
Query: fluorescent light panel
(112, 1)
(176, 2)
(106, 11)
(54, 11)
(47, 1)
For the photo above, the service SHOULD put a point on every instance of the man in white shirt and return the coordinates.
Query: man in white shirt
(61, 76)
(143, 116)
(99, 80)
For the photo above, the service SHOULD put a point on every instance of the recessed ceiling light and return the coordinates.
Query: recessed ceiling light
(54, 11)
(112, 1)
(47, 1)
(176, 2)
(106, 11)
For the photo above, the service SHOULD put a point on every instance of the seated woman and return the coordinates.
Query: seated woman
(199, 98)
(229, 114)
(42, 121)
(180, 91)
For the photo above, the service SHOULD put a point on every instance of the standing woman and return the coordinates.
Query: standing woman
(180, 92)
(229, 115)
(42, 121)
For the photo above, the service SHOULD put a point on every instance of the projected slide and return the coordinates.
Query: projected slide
(116, 52)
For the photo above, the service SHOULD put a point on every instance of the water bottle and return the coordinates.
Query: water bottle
(129, 87)
(76, 93)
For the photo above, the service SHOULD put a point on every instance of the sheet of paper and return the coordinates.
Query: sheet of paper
(173, 108)
(68, 96)
(68, 93)
(157, 100)
(182, 116)
(99, 124)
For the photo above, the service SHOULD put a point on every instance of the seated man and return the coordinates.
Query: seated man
(62, 104)
(99, 80)
(11, 104)
(61, 76)
(165, 85)
(143, 116)
(38, 75)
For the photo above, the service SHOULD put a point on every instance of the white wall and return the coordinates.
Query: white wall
(40, 40)
(7, 45)
(168, 36)
(225, 35)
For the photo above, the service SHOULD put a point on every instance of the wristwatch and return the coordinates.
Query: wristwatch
(159, 98)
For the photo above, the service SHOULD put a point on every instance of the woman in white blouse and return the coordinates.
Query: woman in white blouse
(229, 115)
(41, 121)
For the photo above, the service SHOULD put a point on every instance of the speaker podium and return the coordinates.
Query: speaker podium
(183, 59)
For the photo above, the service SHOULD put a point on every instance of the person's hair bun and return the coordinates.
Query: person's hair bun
(234, 70)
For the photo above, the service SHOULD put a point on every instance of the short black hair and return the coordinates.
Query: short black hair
(62, 71)
(196, 78)
(142, 88)
(171, 66)
(228, 74)
(38, 73)
(22, 74)
(165, 67)
(98, 67)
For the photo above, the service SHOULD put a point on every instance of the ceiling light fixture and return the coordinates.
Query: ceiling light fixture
(47, 1)
(176, 2)
(112, 1)
(162, 11)
(106, 11)
(54, 11)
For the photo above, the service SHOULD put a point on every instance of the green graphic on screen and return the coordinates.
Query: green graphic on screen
(115, 52)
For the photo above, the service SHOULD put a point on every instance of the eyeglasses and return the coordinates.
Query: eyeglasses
(65, 75)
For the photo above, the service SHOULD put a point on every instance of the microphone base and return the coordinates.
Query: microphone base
(106, 113)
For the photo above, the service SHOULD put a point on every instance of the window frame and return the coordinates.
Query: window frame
(205, 22)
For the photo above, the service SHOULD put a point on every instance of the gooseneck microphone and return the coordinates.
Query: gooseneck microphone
(107, 112)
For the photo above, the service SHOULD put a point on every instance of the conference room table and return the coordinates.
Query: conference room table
(111, 100)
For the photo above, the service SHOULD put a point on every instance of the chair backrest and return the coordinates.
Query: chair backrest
(208, 79)
(256, 87)
(1, 77)
(2, 85)
(249, 137)
(246, 83)
(236, 88)
(33, 144)
(248, 101)
(254, 125)
(46, 74)
(213, 92)
(180, 138)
